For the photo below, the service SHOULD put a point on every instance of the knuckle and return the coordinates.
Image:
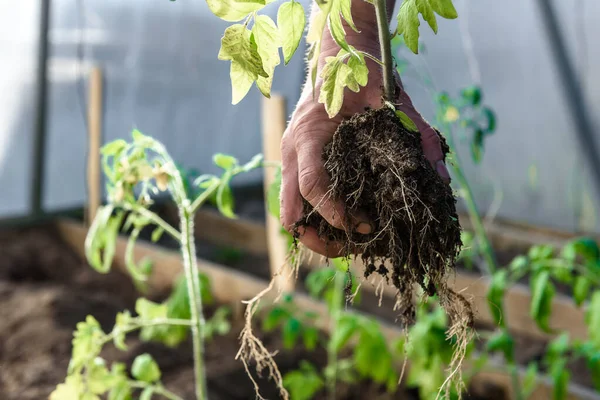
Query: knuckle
(309, 180)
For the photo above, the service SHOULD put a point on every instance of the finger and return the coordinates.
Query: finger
(291, 200)
(311, 240)
(315, 183)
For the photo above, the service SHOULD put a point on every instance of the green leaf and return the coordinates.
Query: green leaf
(592, 319)
(120, 391)
(490, 117)
(113, 148)
(586, 247)
(234, 10)
(318, 279)
(225, 200)
(346, 328)
(145, 369)
(101, 239)
(122, 323)
(147, 393)
(99, 380)
(310, 337)
(477, 146)
(246, 64)
(406, 121)
(334, 74)
(157, 234)
(496, 296)
(581, 288)
(472, 95)
(274, 318)
(541, 252)
(444, 8)
(338, 9)
(254, 163)
(504, 342)
(291, 332)
(342, 264)
(273, 202)
(86, 343)
(266, 36)
(303, 384)
(71, 389)
(360, 71)
(530, 379)
(560, 379)
(291, 21)
(542, 291)
(225, 161)
(408, 24)
(428, 15)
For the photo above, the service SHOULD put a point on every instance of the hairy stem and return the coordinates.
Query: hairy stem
(335, 311)
(386, 50)
(158, 221)
(188, 251)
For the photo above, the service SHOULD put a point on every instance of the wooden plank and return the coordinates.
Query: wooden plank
(231, 286)
(273, 126)
(94, 189)
(566, 317)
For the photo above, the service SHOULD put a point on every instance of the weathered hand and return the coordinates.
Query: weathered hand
(310, 129)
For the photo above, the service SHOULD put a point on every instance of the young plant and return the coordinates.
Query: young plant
(135, 171)
(574, 266)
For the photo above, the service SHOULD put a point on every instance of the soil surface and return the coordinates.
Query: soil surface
(45, 290)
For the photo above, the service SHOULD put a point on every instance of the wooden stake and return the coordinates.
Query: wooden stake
(273, 126)
(94, 189)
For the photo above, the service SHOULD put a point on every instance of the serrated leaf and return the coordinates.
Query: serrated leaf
(122, 322)
(542, 293)
(71, 389)
(225, 161)
(86, 342)
(241, 82)
(238, 46)
(314, 38)
(121, 391)
(318, 279)
(496, 296)
(291, 21)
(339, 9)
(145, 369)
(581, 289)
(406, 121)
(334, 76)
(360, 71)
(428, 15)
(408, 25)
(444, 8)
(266, 36)
(234, 10)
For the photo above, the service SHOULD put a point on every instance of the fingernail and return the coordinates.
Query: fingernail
(441, 169)
(364, 228)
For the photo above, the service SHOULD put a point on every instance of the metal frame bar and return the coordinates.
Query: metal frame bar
(39, 138)
(573, 92)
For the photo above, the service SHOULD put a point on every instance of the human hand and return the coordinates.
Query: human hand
(310, 129)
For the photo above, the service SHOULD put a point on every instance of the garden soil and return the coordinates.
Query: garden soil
(45, 289)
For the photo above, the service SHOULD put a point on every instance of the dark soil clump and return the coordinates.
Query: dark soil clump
(377, 166)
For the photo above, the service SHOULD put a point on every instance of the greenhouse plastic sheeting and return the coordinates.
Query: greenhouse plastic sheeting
(163, 77)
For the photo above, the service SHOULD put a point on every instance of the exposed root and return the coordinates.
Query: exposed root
(378, 167)
(251, 347)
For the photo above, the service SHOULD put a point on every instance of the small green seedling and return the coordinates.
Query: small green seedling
(135, 172)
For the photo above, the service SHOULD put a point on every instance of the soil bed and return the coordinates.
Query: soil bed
(45, 290)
